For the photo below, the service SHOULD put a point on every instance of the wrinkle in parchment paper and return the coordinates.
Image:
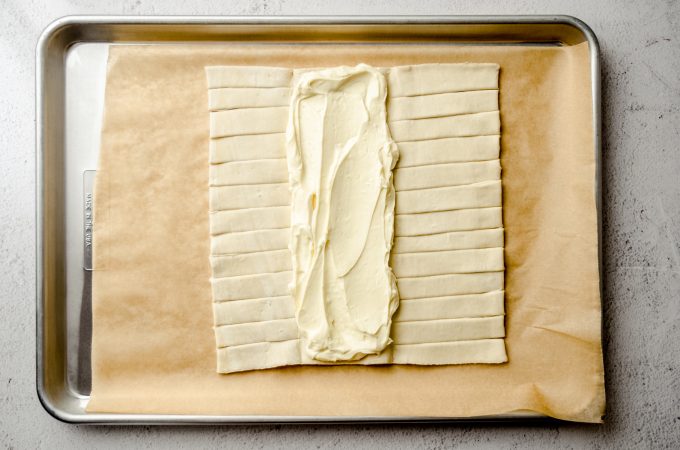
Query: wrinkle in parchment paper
(153, 345)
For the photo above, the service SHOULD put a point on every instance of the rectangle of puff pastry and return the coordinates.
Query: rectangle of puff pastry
(448, 245)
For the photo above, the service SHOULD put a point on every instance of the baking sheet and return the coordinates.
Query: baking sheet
(153, 345)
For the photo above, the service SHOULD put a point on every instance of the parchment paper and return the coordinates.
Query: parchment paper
(153, 345)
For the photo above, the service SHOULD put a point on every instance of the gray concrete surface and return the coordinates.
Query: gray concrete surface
(641, 81)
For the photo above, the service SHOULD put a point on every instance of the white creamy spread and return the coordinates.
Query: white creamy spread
(340, 158)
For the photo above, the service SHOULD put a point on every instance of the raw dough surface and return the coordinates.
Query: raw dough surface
(447, 253)
(449, 150)
(230, 197)
(268, 217)
(247, 148)
(454, 240)
(443, 175)
(232, 98)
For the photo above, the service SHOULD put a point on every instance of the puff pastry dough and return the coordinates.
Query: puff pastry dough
(447, 253)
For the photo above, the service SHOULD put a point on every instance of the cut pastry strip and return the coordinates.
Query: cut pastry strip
(223, 198)
(254, 310)
(247, 76)
(454, 284)
(266, 171)
(253, 332)
(251, 286)
(453, 307)
(425, 79)
(249, 242)
(250, 263)
(263, 355)
(426, 264)
(444, 175)
(484, 351)
(480, 124)
(442, 151)
(480, 195)
(455, 240)
(446, 330)
(249, 147)
(237, 220)
(446, 221)
(440, 105)
(232, 98)
(246, 121)
(266, 355)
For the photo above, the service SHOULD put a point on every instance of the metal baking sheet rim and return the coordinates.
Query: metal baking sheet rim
(53, 401)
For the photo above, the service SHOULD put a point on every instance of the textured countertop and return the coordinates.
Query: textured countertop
(640, 43)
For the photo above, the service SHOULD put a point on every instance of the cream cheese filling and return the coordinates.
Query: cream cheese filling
(340, 158)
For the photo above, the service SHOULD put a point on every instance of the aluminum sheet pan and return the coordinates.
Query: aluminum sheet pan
(71, 73)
